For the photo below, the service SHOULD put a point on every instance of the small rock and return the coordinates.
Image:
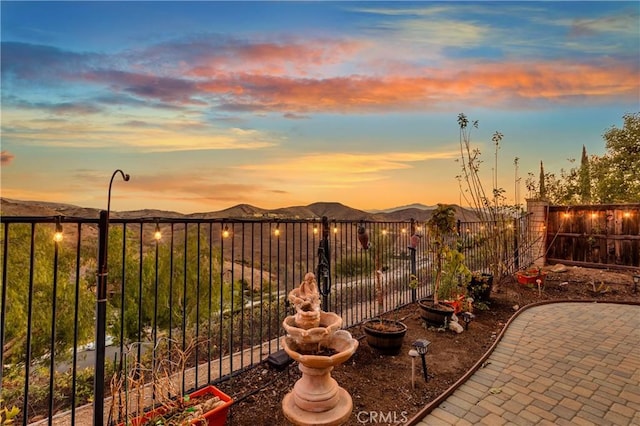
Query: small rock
(559, 268)
(516, 307)
(454, 326)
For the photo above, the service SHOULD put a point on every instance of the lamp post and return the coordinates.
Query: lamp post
(101, 307)
(421, 346)
(467, 317)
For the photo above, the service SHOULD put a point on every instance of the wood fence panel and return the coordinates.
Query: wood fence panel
(606, 236)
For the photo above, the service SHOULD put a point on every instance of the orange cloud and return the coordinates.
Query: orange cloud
(506, 84)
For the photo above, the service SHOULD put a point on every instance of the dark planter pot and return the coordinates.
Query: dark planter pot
(385, 336)
(437, 316)
(476, 290)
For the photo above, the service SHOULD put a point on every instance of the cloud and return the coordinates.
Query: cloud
(504, 84)
(154, 134)
(6, 158)
(341, 169)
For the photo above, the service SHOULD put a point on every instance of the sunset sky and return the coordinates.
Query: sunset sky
(276, 104)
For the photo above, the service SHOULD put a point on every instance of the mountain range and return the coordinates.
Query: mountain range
(332, 210)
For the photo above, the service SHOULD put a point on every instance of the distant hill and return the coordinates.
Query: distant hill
(338, 211)
(417, 206)
(332, 210)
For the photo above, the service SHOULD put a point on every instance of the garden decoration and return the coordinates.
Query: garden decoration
(314, 339)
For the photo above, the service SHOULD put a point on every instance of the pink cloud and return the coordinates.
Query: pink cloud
(273, 58)
(6, 158)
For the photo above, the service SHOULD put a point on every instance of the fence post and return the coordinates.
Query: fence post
(324, 265)
(412, 250)
(516, 239)
(101, 319)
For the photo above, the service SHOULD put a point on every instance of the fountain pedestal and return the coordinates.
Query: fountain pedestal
(316, 398)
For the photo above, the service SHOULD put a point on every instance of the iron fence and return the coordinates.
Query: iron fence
(212, 291)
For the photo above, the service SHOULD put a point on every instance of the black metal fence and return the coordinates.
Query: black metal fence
(213, 291)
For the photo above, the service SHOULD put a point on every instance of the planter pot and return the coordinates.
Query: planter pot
(385, 336)
(480, 289)
(528, 278)
(214, 417)
(437, 316)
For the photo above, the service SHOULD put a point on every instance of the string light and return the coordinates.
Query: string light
(627, 214)
(157, 235)
(57, 236)
(276, 232)
(315, 229)
(594, 215)
(335, 229)
(225, 231)
(384, 232)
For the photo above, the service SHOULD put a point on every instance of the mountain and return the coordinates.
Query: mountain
(408, 207)
(338, 211)
(332, 210)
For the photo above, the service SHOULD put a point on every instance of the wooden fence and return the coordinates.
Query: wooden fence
(603, 236)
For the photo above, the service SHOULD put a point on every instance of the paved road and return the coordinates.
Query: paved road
(557, 364)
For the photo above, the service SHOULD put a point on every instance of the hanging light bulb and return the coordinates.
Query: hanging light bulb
(57, 236)
(277, 230)
(225, 231)
(335, 229)
(157, 235)
(315, 229)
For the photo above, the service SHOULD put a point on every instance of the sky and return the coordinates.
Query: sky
(208, 104)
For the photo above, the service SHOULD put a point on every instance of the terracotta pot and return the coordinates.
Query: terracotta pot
(385, 336)
(214, 417)
(437, 316)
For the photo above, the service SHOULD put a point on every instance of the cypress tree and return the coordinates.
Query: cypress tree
(584, 183)
(543, 189)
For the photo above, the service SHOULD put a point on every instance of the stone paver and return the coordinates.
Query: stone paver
(562, 363)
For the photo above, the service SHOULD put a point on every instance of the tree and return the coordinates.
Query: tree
(584, 178)
(543, 189)
(617, 172)
(612, 178)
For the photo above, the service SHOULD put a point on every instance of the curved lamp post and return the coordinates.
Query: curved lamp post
(101, 307)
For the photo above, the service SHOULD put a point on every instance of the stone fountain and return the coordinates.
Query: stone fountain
(315, 341)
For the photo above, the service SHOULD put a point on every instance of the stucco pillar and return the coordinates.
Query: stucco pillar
(537, 210)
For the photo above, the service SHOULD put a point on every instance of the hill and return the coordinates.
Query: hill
(332, 210)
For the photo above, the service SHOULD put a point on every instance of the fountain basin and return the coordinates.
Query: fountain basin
(307, 340)
(340, 342)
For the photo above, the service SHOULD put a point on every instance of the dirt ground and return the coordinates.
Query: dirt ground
(382, 384)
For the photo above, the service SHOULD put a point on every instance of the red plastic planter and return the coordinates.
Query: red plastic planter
(530, 277)
(215, 417)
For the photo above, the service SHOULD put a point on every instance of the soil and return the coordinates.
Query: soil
(382, 383)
